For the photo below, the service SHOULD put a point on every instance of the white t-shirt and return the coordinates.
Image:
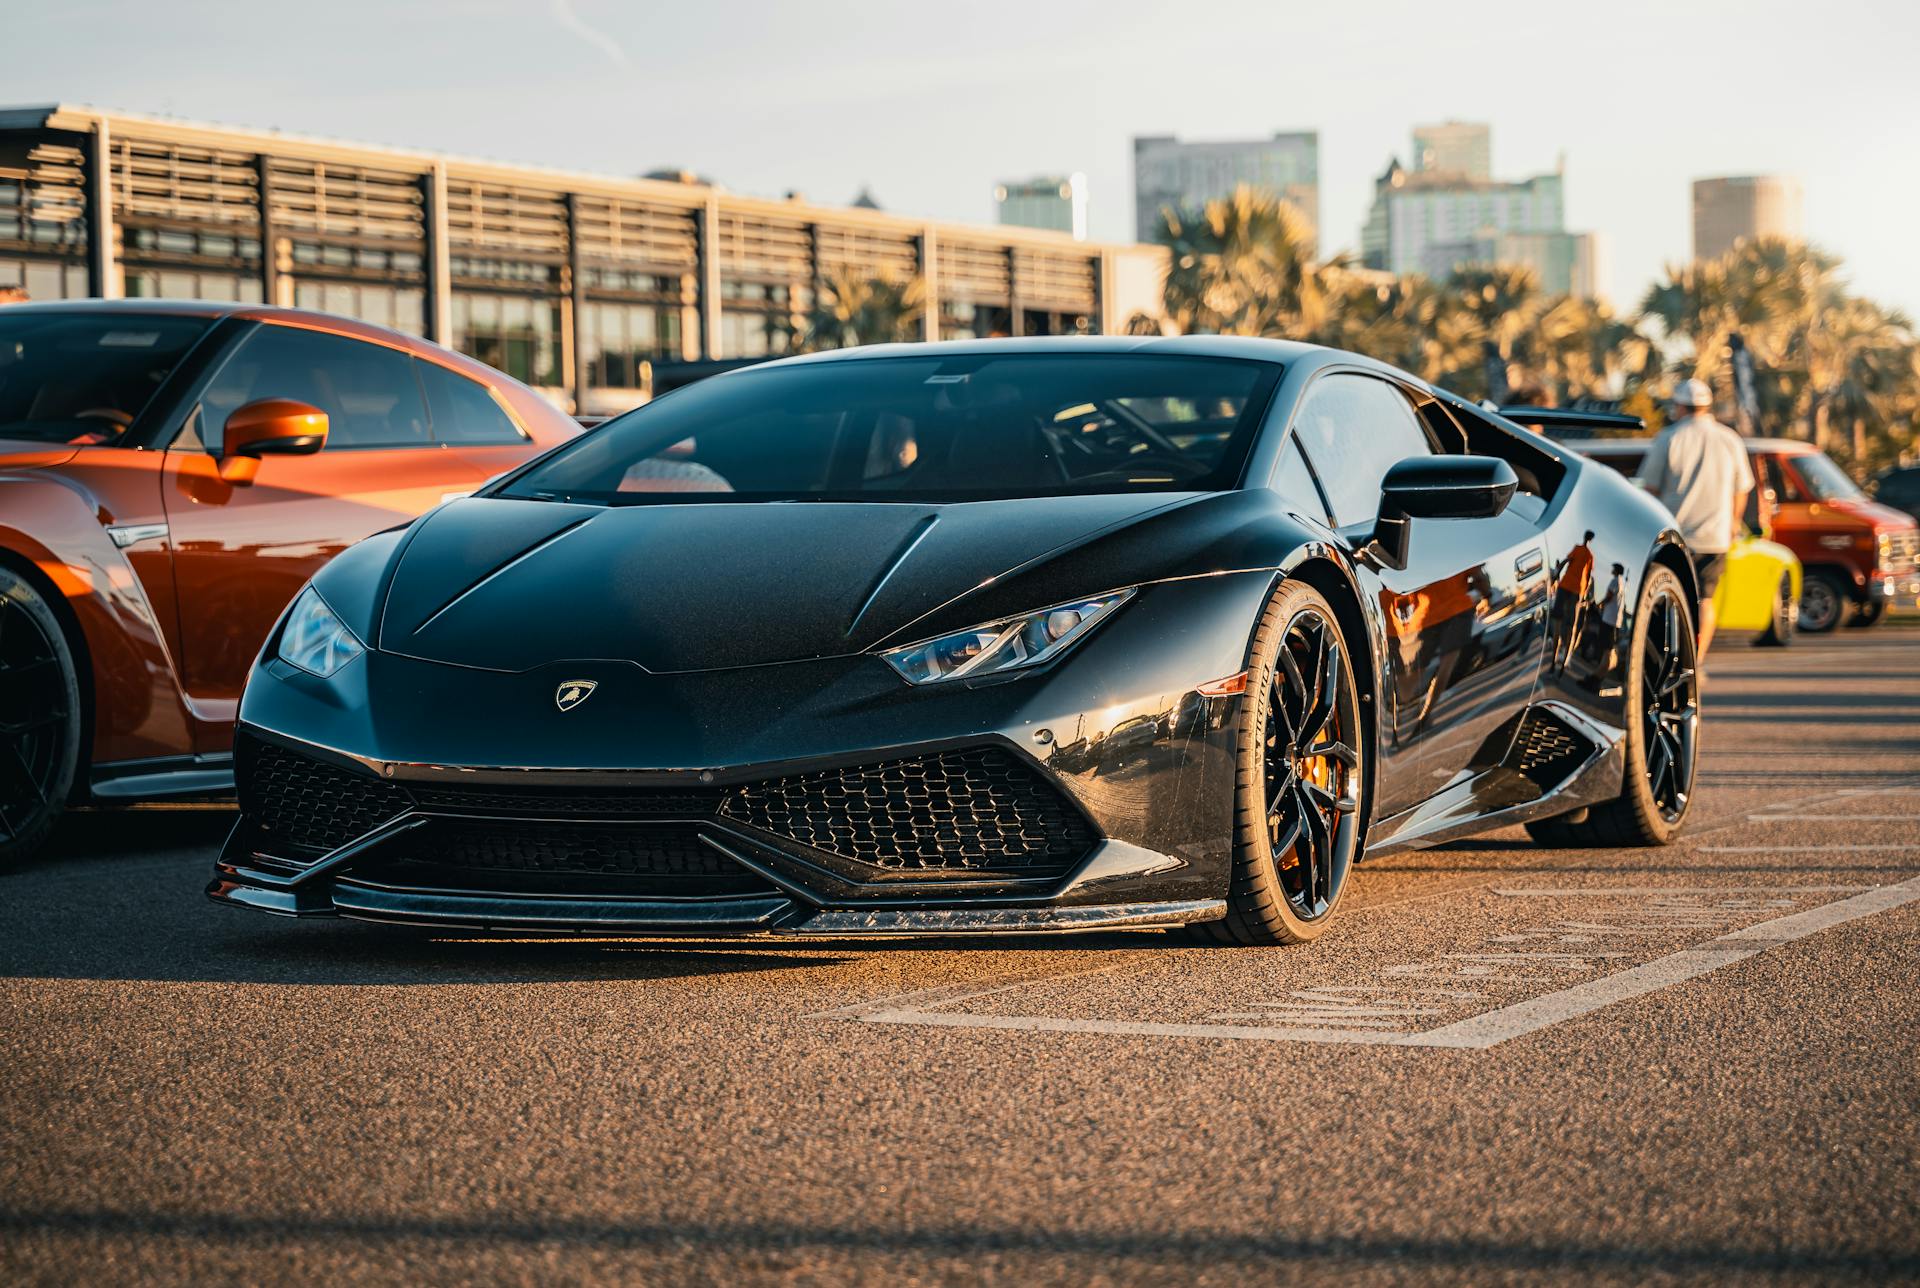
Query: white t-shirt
(1694, 467)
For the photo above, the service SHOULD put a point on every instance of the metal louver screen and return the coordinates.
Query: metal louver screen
(1064, 281)
(52, 196)
(503, 220)
(347, 202)
(157, 183)
(866, 253)
(630, 233)
(751, 246)
(973, 272)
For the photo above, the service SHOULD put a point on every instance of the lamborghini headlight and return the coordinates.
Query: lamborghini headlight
(314, 639)
(1005, 645)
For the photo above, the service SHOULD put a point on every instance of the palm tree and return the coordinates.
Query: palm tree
(1243, 265)
(851, 308)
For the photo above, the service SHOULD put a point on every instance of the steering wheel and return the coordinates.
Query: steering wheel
(109, 414)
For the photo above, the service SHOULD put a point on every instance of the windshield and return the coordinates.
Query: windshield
(964, 427)
(85, 377)
(1825, 480)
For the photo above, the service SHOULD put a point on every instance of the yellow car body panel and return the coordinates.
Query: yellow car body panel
(1751, 582)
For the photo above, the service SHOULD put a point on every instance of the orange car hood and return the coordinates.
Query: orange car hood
(20, 454)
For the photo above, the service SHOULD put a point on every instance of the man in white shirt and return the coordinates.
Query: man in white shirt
(1699, 470)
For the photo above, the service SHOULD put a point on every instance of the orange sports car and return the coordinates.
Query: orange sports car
(171, 473)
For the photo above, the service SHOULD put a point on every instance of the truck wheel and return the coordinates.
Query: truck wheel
(39, 720)
(1786, 613)
(1823, 602)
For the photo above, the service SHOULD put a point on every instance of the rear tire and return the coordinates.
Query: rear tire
(1300, 776)
(1823, 602)
(1663, 714)
(39, 720)
(1786, 615)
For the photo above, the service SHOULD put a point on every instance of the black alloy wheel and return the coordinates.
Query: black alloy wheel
(1786, 616)
(39, 719)
(1823, 602)
(1670, 707)
(1297, 817)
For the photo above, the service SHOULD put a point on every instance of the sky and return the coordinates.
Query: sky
(931, 104)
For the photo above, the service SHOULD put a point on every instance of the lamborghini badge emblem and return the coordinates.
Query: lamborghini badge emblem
(572, 693)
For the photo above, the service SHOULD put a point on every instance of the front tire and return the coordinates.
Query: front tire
(1300, 776)
(1663, 731)
(1823, 602)
(39, 720)
(1786, 615)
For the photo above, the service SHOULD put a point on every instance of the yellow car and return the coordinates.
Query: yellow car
(1760, 590)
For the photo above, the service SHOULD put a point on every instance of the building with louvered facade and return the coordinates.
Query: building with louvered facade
(589, 287)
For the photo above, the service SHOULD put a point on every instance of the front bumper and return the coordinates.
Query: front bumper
(1898, 591)
(482, 763)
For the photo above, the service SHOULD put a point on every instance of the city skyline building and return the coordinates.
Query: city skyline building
(1185, 175)
(1440, 216)
(1454, 147)
(1733, 208)
(1055, 202)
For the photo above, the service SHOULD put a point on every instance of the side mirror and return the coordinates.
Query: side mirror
(268, 427)
(1438, 487)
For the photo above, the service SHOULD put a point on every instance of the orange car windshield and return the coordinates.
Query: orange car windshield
(85, 377)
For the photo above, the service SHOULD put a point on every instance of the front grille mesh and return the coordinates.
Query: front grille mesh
(312, 806)
(959, 811)
(967, 812)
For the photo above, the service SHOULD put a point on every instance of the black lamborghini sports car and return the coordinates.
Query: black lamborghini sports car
(1015, 635)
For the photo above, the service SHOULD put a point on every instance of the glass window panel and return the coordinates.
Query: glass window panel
(369, 392)
(1355, 429)
(463, 410)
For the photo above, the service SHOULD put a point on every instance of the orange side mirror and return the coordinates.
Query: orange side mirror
(268, 427)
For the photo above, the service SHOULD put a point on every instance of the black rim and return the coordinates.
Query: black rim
(1819, 605)
(1312, 765)
(33, 718)
(1671, 701)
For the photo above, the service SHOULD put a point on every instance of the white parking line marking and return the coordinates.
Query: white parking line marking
(1805, 849)
(1495, 1027)
(1477, 1032)
(1571, 892)
(1830, 818)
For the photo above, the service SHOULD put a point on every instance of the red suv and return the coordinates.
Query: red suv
(1861, 557)
(171, 473)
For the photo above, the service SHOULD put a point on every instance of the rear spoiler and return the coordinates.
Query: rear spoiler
(1562, 418)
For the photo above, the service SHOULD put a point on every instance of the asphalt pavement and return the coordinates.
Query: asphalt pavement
(1509, 1063)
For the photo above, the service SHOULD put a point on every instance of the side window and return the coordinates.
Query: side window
(1785, 486)
(1294, 481)
(368, 391)
(1355, 429)
(463, 410)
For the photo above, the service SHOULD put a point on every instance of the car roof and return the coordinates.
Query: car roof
(310, 319)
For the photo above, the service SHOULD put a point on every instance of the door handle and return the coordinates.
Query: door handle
(1530, 563)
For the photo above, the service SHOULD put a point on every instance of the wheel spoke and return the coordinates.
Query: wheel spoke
(1284, 843)
(1276, 796)
(1320, 844)
(1661, 751)
(1339, 751)
(1297, 683)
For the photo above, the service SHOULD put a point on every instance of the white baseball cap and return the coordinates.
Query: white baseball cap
(1692, 393)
